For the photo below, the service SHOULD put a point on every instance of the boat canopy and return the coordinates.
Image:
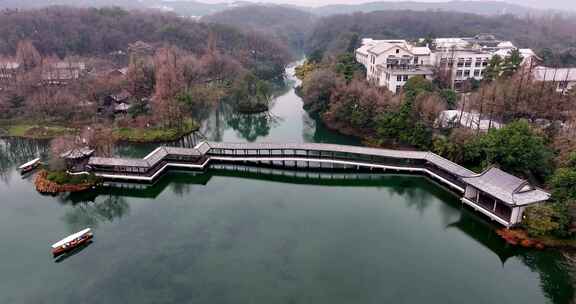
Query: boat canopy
(30, 163)
(70, 238)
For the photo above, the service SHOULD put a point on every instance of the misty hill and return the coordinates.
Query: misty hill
(181, 7)
(554, 38)
(65, 31)
(474, 7)
(288, 25)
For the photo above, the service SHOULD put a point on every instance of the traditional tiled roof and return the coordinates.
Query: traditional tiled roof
(182, 151)
(120, 162)
(322, 147)
(506, 187)
(77, 153)
(553, 74)
(495, 182)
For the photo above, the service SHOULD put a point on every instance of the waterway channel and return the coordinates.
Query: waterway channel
(233, 237)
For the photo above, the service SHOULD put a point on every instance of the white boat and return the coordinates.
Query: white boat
(72, 241)
(29, 166)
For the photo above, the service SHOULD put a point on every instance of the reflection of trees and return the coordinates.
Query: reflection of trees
(214, 125)
(91, 214)
(249, 126)
(16, 151)
(181, 189)
(308, 128)
(252, 126)
(556, 274)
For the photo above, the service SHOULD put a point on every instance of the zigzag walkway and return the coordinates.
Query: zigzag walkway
(307, 156)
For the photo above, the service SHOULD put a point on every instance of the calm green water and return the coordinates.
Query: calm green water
(226, 237)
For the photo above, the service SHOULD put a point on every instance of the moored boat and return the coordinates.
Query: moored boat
(29, 166)
(72, 241)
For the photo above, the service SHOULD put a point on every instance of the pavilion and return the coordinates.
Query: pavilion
(501, 196)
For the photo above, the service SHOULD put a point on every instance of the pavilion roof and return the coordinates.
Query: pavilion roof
(506, 187)
(77, 153)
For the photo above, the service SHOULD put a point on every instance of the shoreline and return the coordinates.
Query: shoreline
(26, 131)
(517, 237)
(44, 186)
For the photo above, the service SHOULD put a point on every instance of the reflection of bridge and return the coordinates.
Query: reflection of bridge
(318, 157)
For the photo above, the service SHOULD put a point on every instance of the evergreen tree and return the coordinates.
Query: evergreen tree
(494, 69)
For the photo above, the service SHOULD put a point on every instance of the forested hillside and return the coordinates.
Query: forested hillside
(477, 7)
(553, 38)
(288, 25)
(92, 32)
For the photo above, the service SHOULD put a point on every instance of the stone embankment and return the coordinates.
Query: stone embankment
(45, 186)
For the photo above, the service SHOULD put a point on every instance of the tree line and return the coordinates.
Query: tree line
(536, 139)
(66, 31)
(553, 37)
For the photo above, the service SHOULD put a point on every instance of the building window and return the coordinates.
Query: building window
(460, 62)
(416, 60)
(476, 73)
(467, 73)
(397, 51)
(398, 88)
(459, 73)
(399, 78)
(478, 63)
(468, 62)
(485, 63)
(405, 77)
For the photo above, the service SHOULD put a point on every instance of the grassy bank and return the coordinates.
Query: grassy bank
(63, 178)
(33, 131)
(55, 182)
(155, 134)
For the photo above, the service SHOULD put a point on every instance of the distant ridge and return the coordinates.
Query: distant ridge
(195, 8)
(473, 7)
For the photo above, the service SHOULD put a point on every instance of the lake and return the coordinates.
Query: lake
(233, 237)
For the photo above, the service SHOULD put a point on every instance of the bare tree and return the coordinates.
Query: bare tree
(27, 55)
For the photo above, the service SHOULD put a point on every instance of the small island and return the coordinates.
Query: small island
(65, 171)
(251, 95)
(60, 182)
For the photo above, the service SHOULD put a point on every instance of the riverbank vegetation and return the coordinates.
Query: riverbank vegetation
(530, 129)
(143, 135)
(551, 36)
(33, 131)
(53, 182)
(154, 79)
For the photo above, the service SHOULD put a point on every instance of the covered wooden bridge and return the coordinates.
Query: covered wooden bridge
(484, 192)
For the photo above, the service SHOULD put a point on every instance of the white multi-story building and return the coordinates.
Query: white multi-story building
(390, 63)
(563, 78)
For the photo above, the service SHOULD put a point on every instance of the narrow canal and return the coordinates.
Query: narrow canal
(225, 237)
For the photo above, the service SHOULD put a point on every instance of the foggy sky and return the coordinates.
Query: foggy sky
(553, 4)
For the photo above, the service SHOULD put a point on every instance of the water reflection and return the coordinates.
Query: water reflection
(16, 151)
(103, 209)
(252, 126)
(482, 232)
(555, 273)
(173, 260)
(249, 127)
